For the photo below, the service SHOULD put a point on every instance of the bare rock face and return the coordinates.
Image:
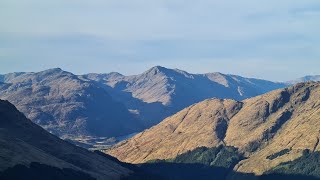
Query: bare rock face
(23, 143)
(261, 127)
(64, 104)
(161, 92)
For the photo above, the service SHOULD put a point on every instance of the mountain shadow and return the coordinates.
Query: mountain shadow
(37, 171)
(217, 163)
(179, 171)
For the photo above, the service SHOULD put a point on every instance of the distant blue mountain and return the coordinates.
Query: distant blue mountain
(304, 79)
(160, 92)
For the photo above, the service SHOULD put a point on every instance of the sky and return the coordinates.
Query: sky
(268, 39)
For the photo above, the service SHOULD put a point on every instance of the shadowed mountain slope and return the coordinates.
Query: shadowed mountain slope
(269, 129)
(26, 145)
(63, 104)
(218, 163)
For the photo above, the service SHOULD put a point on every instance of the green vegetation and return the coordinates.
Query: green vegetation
(218, 163)
(307, 164)
(200, 163)
(278, 154)
(222, 156)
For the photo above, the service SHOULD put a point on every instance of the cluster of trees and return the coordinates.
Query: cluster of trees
(307, 164)
(218, 163)
(201, 163)
(222, 156)
(278, 154)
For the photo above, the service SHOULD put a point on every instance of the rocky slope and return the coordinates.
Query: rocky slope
(64, 104)
(160, 92)
(24, 145)
(269, 129)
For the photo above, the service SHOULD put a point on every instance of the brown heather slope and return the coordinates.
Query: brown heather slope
(262, 126)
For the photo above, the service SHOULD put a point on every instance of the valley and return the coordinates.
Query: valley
(258, 132)
(159, 90)
(96, 143)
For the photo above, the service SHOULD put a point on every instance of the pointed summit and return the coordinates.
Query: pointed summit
(157, 69)
(168, 72)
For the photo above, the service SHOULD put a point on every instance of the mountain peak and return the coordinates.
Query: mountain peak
(53, 70)
(168, 72)
(114, 74)
(157, 69)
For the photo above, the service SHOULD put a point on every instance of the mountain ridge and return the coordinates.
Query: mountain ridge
(260, 127)
(64, 104)
(170, 90)
(144, 99)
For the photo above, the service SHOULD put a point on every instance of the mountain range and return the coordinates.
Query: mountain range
(216, 126)
(112, 104)
(29, 152)
(160, 92)
(64, 104)
(269, 131)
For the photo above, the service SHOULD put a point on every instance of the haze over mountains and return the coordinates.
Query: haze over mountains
(270, 129)
(64, 104)
(28, 151)
(224, 127)
(304, 79)
(160, 92)
(115, 105)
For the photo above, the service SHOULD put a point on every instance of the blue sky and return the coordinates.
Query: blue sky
(275, 40)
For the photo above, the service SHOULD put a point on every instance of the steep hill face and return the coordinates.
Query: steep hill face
(160, 92)
(64, 104)
(203, 124)
(269, 129)
(26, 145)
